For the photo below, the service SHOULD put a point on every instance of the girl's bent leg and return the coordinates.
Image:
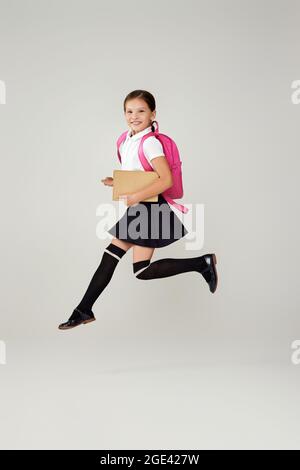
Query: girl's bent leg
(205, 265)
(141, 253)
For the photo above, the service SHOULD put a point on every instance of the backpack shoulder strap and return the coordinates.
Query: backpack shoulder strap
(146, 165)
(119, 142)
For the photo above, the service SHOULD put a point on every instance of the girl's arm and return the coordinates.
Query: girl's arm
(164, 182)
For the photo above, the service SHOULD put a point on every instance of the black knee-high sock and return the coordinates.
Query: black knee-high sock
(170, 267)
(102, 276)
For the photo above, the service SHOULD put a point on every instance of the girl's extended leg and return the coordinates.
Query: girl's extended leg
(205, 265)
(110, 258)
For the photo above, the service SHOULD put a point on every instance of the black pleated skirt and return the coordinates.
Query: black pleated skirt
(152, 224)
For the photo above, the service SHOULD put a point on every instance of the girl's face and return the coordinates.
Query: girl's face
(138, 115)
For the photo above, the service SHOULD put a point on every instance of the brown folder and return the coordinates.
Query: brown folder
(127, 181)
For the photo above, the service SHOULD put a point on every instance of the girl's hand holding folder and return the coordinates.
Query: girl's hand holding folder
(129, 199)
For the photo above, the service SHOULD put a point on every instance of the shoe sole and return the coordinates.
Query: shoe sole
(82, 323)
(214, 258)
(88, 321)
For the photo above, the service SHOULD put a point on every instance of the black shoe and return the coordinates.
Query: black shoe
(210, 273)
(77, 318)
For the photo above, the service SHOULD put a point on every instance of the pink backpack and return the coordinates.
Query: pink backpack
(172, 155)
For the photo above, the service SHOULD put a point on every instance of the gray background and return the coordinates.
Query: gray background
(167, 364)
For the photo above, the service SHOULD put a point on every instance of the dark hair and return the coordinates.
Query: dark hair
(144, 95)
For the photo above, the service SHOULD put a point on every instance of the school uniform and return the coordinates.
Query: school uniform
(144, 224)
(150, 219)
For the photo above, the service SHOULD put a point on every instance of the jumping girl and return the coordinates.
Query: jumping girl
(140, 111)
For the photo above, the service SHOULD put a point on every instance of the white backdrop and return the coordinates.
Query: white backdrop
(222, 75)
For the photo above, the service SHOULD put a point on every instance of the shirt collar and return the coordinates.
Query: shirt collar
(140, 134)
